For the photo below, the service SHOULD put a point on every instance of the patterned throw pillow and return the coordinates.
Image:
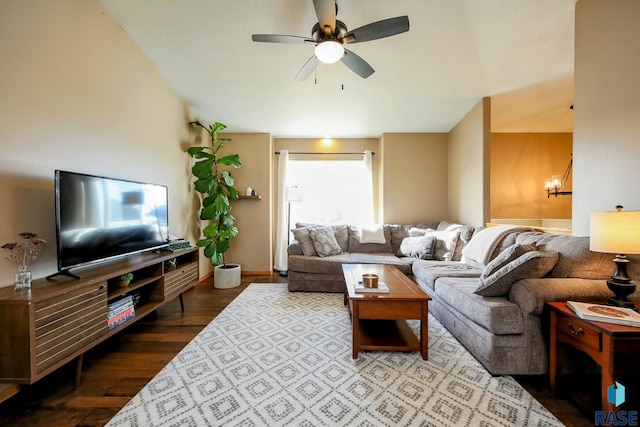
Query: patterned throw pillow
(422, 247)
(531, 265)
(324, 241)
(445, 244)
(303, 237)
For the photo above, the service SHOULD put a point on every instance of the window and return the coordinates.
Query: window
(333, 191)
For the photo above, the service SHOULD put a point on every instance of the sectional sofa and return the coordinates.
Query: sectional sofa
(488, 285)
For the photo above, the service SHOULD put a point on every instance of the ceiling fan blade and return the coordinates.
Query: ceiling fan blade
(357, 64)
(326, 13)
(378, 30)
(277, 38)
(307, 69)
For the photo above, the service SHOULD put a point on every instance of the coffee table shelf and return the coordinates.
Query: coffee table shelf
(379, 320)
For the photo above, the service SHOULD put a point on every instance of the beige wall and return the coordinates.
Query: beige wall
(469, 157)
(413, 177)
(78, 95)
(520, 164)
(607, 101)
(252, 248)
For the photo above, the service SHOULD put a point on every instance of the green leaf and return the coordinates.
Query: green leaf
(233, 192)
(205, 186)
(230, 160)
(222, 246)
(226, 178)
(211, 230)
(217, 127)
(203, 242)
(209, 213)
(222, 203)
(203, 168)
(228, 220)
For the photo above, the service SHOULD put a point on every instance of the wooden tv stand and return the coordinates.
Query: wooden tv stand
(58, 320)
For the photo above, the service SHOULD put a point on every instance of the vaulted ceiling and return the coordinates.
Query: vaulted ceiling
(518, 52)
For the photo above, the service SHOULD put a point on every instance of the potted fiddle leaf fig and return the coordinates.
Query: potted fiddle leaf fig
(216, 186)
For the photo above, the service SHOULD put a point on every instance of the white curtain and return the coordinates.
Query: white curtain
(368, 190)
(282, 232)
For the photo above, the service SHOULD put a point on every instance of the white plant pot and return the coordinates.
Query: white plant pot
(226, 276)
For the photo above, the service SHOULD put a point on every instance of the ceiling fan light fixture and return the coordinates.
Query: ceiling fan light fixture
(329, 51)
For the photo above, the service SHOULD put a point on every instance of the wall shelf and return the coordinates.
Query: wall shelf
(256, 197)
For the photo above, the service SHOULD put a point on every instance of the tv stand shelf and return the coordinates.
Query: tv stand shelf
(61, 318)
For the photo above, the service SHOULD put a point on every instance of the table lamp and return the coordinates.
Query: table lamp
(618, 233)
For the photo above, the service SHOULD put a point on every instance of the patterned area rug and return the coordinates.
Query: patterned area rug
(275, 358)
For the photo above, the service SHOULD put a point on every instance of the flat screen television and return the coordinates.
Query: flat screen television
(100, 218)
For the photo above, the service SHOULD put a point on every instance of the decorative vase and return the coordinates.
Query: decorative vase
(22, 278)
(226, 276)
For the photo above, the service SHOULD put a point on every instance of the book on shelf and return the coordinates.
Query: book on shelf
(120, 318)
(119, 305)
(381, 289)
(605, 313)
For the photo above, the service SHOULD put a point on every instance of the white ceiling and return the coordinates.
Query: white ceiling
(518, 52)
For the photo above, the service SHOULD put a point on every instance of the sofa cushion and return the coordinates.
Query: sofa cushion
(324, 241)
(427, 272)
(398, 233)
(423, 247)
(531, 265)
(303, 237)
(498, 315)
(319, 265)
(356, 247)
(505, 257)
(403, 264)
(373, 234)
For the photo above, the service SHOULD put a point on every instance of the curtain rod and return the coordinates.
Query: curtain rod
(327, 153)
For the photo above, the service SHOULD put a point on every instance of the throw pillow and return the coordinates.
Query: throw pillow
(505, 257)
(417, 232)
(303, 237)
(369, 248)
(372, 234)
(531, 265)
(446, 243)
(422, 247)
(341, 232)
(324, 241)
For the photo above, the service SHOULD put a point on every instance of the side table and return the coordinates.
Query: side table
(611, 346)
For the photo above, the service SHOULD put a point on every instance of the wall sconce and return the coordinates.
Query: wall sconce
(617, 233)
(555, 185)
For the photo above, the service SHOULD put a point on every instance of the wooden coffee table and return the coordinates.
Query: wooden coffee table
(379, 319)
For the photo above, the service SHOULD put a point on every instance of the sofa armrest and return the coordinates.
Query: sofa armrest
(531, 294)
(294, 248)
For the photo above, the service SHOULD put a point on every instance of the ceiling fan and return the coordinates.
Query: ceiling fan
(329, 35)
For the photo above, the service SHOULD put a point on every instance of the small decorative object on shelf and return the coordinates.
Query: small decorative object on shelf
(22, 254)
(125, 279)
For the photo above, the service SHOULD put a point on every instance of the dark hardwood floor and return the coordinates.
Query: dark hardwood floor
(117, 369)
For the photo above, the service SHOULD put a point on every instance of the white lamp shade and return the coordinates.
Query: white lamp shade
(293, 194)
(615, 232)
(329, 51)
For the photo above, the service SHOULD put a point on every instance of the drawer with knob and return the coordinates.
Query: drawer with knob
(579, 331)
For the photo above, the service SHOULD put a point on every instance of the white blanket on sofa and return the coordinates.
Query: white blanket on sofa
(482, 245)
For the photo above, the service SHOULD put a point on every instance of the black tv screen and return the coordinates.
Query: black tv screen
(99, 218)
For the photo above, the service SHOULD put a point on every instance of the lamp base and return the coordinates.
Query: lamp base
(621, 290)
